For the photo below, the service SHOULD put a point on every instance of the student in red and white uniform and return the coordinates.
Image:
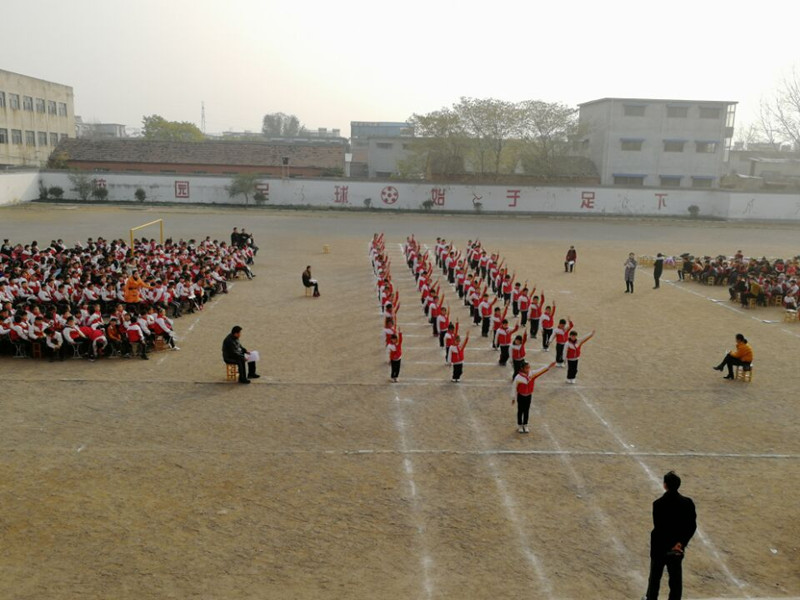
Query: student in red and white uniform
(55, 344)
(456, 357)
(535, 313)
(395, 349)
(507, 287)
(518, 352)
(97, 340)
(162, 325)
(442, 323)
(546, 324)
(389, 330)
(485, 310)
(503, 338)
(522, 391)
(561, 332)
(524, 302)
(136, 337)
(574, 353)
(74, 336)
(497, 323)
(449, 340)
(515, 292)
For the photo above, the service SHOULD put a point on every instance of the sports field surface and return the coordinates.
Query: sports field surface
(130, 479)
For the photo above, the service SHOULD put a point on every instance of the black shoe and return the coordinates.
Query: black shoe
(253, 376)
(145, 357)
(728, 377)
(245, 381)
(717, 368)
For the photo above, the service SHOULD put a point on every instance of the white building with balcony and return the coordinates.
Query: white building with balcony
(657, 143)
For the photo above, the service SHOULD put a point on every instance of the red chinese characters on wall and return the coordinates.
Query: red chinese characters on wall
(340, 194)
(587, 200)
(513, 195)
(181, 189)
(438, 196)
(100, 184)
(661, 202)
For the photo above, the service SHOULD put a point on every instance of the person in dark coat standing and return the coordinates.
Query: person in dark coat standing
(674, 524)
(658, 269)
(630, 272)
(233, 353)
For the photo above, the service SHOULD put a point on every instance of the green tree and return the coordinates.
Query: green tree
(140, 194)
(100, 193)
(281, 125)
(243, 184)
(156, 127)
(546, 130)
(82, 184)
(490, 123)
(439, 147)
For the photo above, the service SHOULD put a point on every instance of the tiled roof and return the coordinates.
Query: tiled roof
(201, 153)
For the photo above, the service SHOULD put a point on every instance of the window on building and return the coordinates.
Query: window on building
(62, 136)
(633, 110)
(41, 138)
(702, 182)
(631, 145)
(54, 139)
(27, 103)
(2, 99)
(706, 147)
(51, 107)
(16, 136)
(670, 180)
(30, 138)
(13, 101)
(628, 179)
(3, 136)
(677, 112)
(384, 145)
(62, 109)
(674, 145)
(40, 105)
(383, 174)
(710, 112)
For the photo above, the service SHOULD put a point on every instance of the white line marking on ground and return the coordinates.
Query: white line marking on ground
(658, 485)
(509, 504)
(416, 508)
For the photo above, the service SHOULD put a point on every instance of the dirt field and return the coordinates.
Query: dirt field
(132, 479)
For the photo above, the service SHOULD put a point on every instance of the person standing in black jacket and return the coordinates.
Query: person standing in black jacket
(658, 269)
(674, 524)
(233, 353)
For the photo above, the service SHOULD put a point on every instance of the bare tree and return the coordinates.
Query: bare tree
(547, 128)
(780, 115)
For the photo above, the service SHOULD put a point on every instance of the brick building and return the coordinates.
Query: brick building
(291, 159)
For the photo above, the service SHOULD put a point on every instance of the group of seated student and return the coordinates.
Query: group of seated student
(747, 278)
(103, 297)
(242, 239)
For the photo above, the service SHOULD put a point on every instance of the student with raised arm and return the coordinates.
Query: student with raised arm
(395, 349)
(485, 309)
(522, 391)
(535, 313)
(503, 338)
(518, 352)
(456, 357)
(562, 332)
(574, 353)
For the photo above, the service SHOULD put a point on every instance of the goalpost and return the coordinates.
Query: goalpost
(160, 225)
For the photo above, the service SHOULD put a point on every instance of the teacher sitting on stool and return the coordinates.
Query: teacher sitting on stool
(309, 282)
(741, 357)
(233, 353)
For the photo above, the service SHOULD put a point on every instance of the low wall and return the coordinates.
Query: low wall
(589, 200)
(18, 186)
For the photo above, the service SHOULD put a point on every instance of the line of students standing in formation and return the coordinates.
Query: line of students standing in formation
(472, 274)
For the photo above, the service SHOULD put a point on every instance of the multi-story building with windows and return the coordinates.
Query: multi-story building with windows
(377, 146)
(35, 115)
(658, 143)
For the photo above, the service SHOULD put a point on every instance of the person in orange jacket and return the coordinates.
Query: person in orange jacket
(741, 357)
(132, 286)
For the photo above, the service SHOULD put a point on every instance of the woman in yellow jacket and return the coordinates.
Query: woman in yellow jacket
(741, 357)
(132, 286)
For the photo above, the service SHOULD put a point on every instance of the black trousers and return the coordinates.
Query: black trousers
(546, 333)
(476, 316)
(441, 339)
(523, 409)
(572, 368)
(560, 353)
(534, 327)
(503, 355)
(396, 368)
(675, 571)
(568, 267)
(517, 366)
(485, 322)
(523, 319)
(515, 308)
(628, 286)
(730, 362)
(458, 370)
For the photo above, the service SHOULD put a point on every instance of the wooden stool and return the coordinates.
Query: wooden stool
(744, 373)
(231, 372)
(711, 281)
(789, 316)
(36, 350)
(309, 292)
(776, 300)
(326, 249)
(751, 303)
(160, 345)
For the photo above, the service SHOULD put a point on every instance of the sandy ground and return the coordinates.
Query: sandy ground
(132, 479)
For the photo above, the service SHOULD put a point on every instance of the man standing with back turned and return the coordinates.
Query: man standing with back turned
(674, 524)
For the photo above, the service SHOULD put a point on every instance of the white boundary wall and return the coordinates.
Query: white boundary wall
(18, 186)
(589, 200)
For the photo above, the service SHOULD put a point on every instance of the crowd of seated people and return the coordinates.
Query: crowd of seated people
(103, 297)
(765, 281)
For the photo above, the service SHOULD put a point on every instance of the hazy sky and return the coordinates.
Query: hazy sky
(335, 62)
